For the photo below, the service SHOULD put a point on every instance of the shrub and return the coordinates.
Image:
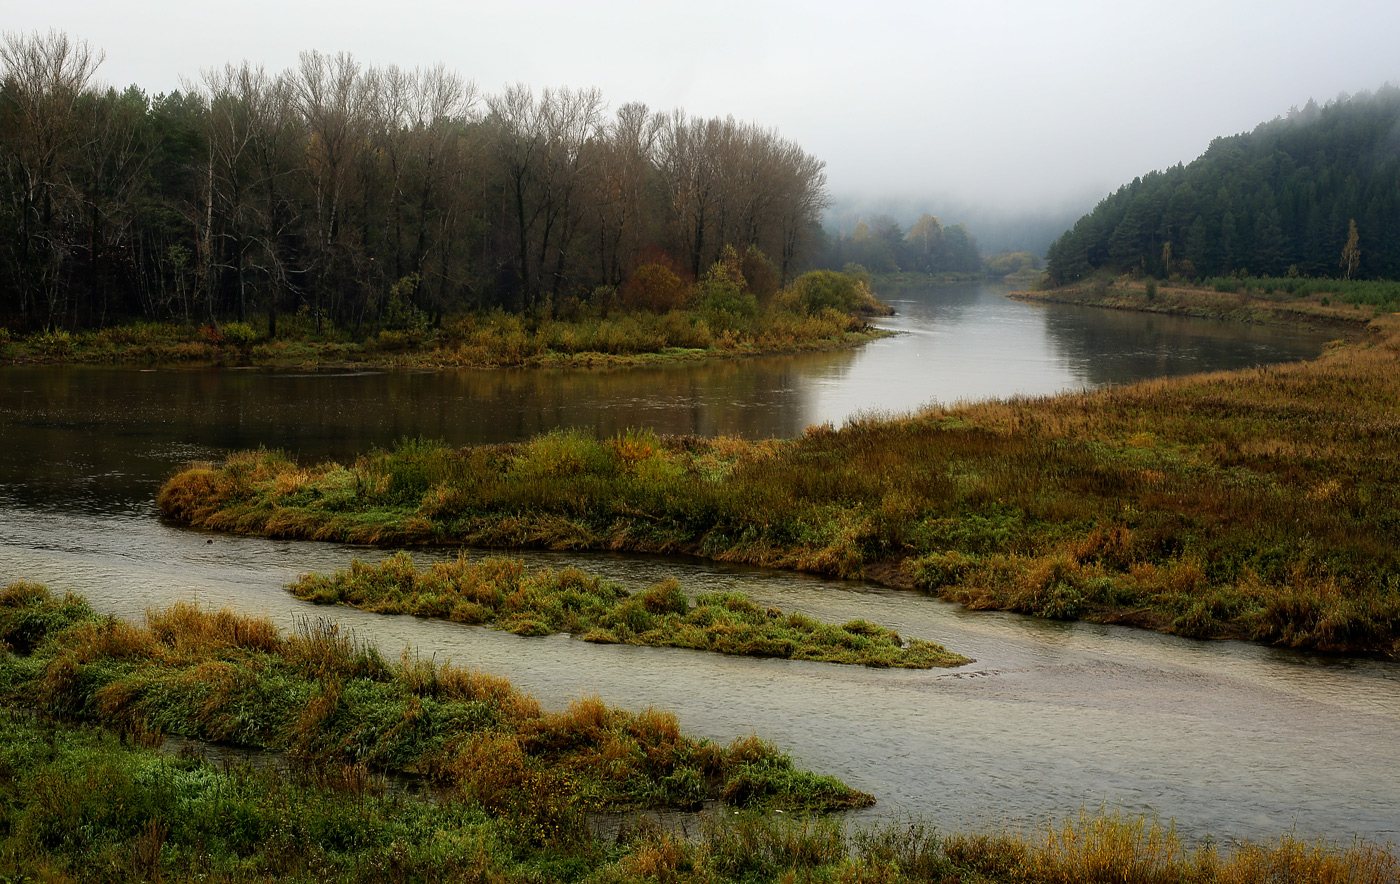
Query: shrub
(722, 296)
(239, 334)
(654, 288)
(826, 289)
(760, 275)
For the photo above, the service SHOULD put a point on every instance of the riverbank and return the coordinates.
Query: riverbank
(323, 698)
(494, 340)
(1257, 504)
(1251, 301)
(82, 805)
(503, 593)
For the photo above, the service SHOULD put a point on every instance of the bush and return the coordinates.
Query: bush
(760, 275)
(722, 295)
(653, 288)
(821, 290)
(239, 334)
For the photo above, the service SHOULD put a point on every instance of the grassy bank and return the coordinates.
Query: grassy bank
(81, 806)
(661, 318)
(324, 699)
(474, 341)
(503, 593)
(1258, 504)
(1322, 304)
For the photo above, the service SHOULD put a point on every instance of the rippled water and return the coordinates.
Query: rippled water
(1229, 739)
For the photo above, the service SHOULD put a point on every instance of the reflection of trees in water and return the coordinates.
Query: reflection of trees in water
(921, 302)
(75, 434)
(1115, 346)
(72, 432)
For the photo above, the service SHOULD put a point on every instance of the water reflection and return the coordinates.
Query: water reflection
(99, 438)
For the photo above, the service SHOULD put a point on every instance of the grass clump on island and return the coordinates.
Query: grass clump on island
(328, 702)
(503, 593)
(1259, 504)
(82, 806)
(658, 317)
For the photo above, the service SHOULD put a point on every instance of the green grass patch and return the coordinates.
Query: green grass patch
(79, 805)
(794, 320)
(503, 593)
(323, 698)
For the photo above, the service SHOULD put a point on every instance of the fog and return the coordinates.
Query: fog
(1003, 107)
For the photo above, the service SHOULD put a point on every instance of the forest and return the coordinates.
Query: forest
(881, 245)
(343, 191)
(1314, 193)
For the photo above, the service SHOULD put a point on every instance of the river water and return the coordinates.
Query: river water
(1227, 739)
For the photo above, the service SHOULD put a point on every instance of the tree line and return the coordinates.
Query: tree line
(345, 190)
(882, 245)
(1315, 193)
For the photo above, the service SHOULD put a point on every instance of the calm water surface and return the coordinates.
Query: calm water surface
(1228, 739)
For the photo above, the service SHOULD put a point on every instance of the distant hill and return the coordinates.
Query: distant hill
(1276, 200)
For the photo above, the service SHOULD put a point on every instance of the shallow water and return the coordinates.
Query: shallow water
(1229, 739)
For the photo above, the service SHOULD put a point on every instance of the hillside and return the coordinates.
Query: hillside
(1280, 200)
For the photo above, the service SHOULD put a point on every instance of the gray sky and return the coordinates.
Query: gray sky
(1005, 103)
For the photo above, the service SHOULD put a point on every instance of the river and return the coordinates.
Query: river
(1227, 739)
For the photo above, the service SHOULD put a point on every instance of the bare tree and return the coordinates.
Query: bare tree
(331, 96)
(626, 165)
(44, 80)
(543, 148)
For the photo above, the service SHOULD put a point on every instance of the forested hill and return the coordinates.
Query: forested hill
(1275, 201)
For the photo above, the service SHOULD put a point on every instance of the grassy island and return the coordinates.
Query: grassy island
(502, 593)
(323, 698)
(1257, 504)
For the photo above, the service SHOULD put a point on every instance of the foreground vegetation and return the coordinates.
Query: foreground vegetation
(1260, 504)
(78, 805)
(327, 701)
(503, 593)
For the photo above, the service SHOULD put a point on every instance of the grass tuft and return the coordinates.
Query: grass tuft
(502, 593)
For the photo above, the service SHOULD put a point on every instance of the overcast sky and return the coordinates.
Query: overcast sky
(1004, 103)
